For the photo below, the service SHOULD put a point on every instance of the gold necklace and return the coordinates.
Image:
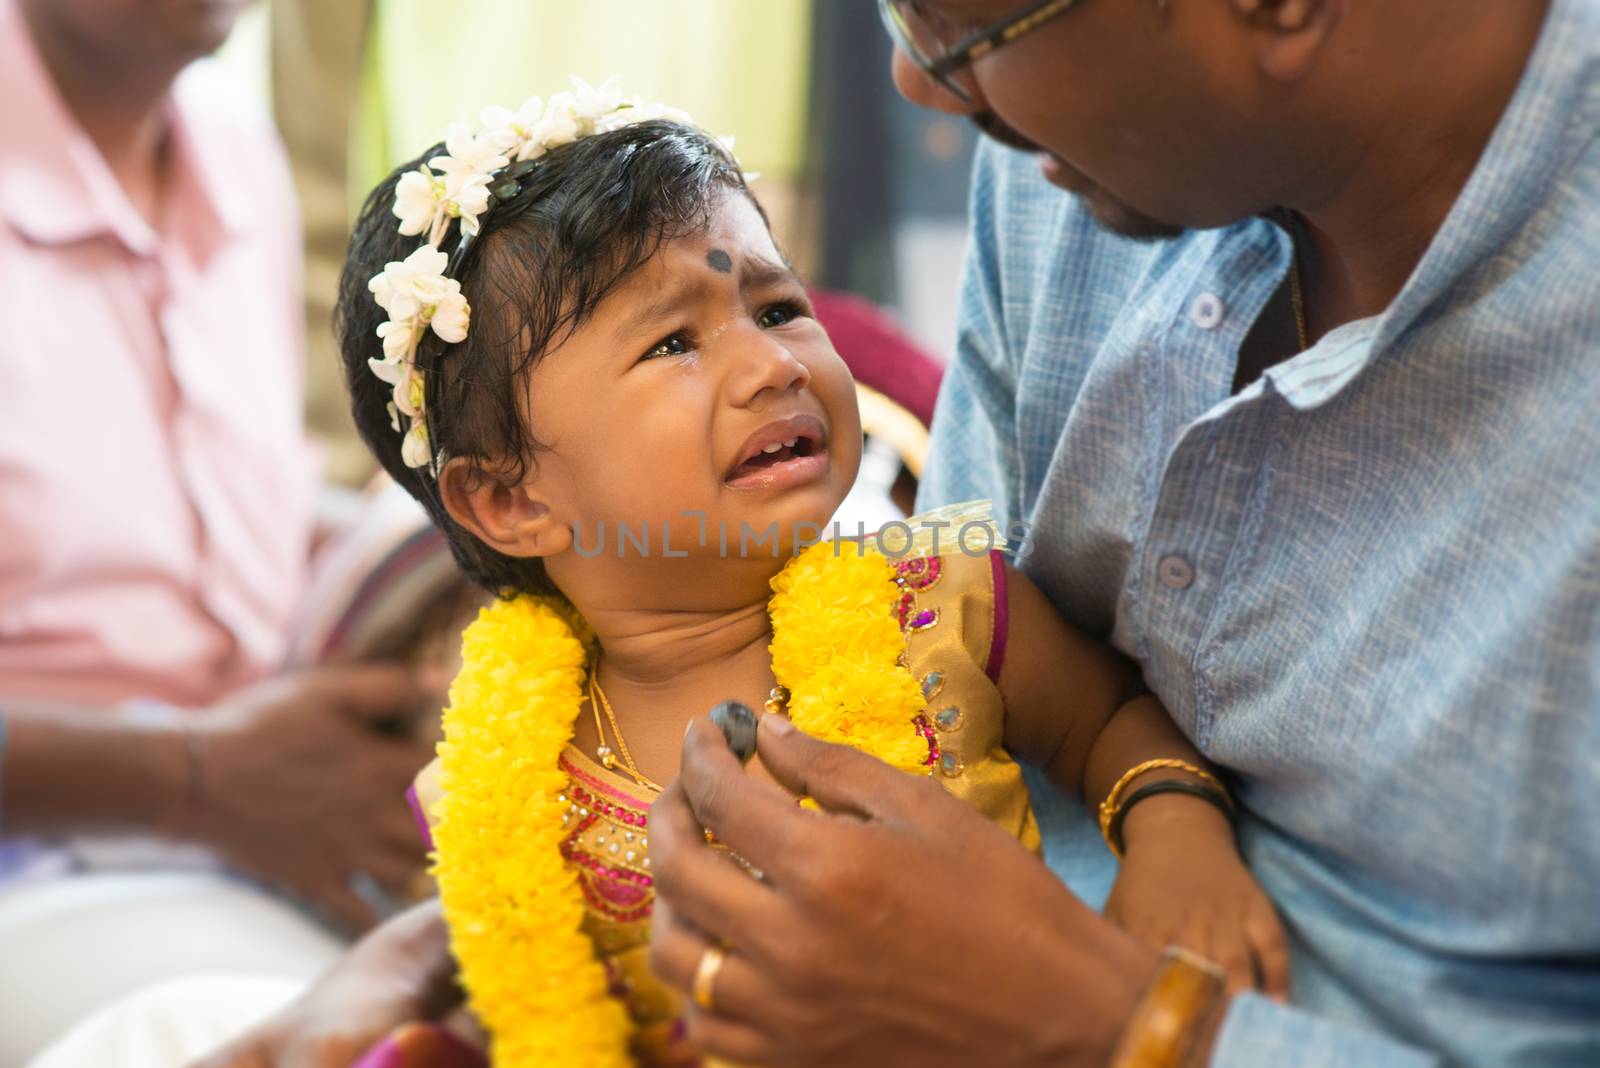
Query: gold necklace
(608, 758)
(777, 702)
(1298, 299)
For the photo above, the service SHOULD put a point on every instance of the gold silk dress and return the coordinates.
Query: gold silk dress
(953, 611)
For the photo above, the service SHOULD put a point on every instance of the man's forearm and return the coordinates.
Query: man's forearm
(75, 769)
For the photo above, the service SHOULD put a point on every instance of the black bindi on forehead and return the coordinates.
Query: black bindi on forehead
(720, 261)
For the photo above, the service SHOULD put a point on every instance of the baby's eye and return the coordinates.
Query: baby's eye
(671, 345)
(779, 314)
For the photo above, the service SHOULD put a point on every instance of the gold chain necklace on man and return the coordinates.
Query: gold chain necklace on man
(1298, 299)
(605, 754)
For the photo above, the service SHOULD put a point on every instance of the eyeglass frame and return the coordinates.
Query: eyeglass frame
(967, 52)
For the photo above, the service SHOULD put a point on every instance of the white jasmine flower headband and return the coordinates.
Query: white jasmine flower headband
(416, 293)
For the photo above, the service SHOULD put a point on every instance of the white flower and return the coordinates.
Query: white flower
(397, 338)
(394, 417)
(469, 201)
(415, 450)
(468, 155)
(465, 170)
(408, 392)
(417, 200)
(590, 103)
(390, 371)
(450, 316)
(510, 129)
(557, 126)
(645, 111)
(406, 286)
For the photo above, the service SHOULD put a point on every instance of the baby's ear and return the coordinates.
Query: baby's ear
(508, 516)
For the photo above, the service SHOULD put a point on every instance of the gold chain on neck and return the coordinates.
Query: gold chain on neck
(607, 758)
(1298, 298)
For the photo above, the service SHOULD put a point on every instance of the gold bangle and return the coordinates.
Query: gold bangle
(1113, 801)
(1172, 1013)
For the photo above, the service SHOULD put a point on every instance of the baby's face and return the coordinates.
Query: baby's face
(702, 384)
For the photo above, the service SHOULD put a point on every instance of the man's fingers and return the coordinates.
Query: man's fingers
(399, 830)
(344, 907)
(740, 991)
(372, 692)
(839, 778)
(394, 870)
(711, 892)
(733, 1041)
(399, 760)
(755, 819)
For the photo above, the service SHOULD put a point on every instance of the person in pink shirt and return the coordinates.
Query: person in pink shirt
(156, 512)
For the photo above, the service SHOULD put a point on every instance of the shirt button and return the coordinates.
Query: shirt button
(1175, 572)
(1207, 311)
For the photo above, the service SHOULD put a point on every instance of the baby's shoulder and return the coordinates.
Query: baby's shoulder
(954, 605)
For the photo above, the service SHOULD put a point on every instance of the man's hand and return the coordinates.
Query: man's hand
(400, 973)
(302, 786)
(895, 923)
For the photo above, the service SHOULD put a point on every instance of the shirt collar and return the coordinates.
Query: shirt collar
(1546, 127)
(55, 187)
(1548, 122)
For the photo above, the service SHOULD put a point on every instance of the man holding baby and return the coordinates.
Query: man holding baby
(1293, 389)
(1295, 393)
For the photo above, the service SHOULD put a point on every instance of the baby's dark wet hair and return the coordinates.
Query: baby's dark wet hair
(588, 215)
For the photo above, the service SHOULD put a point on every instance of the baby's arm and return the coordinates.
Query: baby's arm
(1078, 710)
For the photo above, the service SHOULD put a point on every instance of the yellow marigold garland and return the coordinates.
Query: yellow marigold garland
(836, 648)
(513, 906)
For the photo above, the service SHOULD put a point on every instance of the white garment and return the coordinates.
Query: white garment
(71, 945)
(170, 1025)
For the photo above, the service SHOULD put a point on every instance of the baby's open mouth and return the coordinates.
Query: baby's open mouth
(775, 454)
(785, 452)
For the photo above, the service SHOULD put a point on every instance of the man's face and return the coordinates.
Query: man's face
(157, 32)
(1133, 106)
(1110, 212)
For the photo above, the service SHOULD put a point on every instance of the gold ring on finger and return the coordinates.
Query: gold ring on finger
(706, 972)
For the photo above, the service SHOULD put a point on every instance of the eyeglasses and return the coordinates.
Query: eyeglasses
(945, 50)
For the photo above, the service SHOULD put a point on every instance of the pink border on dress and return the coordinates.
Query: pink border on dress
(1002, 618)
(603, 787)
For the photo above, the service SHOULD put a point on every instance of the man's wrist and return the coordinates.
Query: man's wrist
(1123, 968)
(173, 753)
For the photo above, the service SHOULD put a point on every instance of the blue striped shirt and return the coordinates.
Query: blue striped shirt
(1367, 585)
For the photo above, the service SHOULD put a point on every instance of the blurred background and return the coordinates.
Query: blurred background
(867, 193)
